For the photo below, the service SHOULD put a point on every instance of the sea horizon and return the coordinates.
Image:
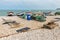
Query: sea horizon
(4, 12)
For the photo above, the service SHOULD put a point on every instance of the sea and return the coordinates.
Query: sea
(5, 12)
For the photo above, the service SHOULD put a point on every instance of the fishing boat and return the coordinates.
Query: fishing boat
(10, 14)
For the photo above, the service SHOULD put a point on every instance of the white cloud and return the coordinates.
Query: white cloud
(11, 0)
(43, 3)
(39, 4)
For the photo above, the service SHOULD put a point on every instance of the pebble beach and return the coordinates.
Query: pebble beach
(35, 33)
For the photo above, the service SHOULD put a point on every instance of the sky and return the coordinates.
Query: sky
(29, 4)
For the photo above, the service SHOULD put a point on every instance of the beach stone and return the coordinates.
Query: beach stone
(40, 34)
(34, 34)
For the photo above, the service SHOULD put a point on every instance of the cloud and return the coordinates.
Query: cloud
(10, 0)
(43, 4)
(39, 4)
(30, 4)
